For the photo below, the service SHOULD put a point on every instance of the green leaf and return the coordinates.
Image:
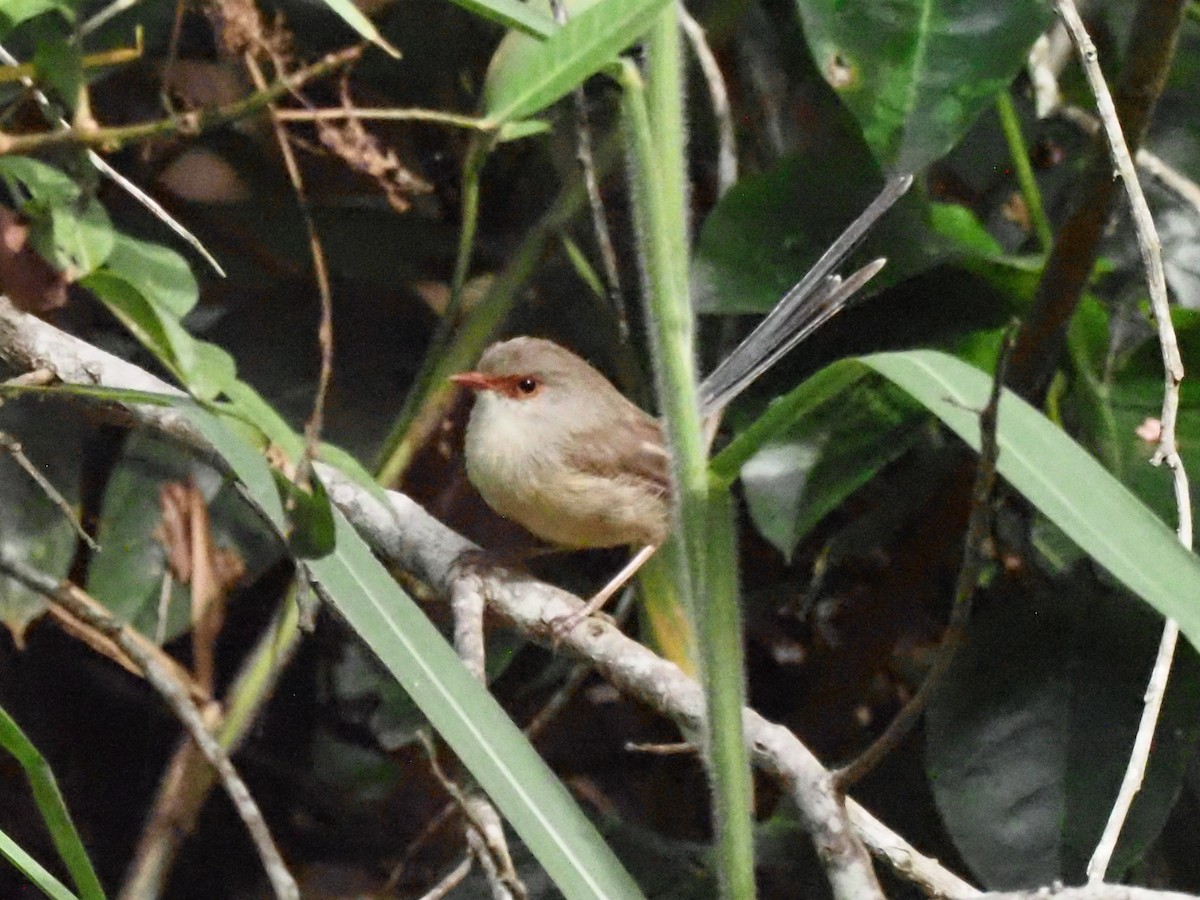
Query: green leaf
(312, 532)
(33, 870)
(43, 184)
(1062, 480)
(771, 227)
(213, 371)
(79, 237)
(14, 12)
(917, 73)
(50, 804)
(32, 527)
(162, 336)
(158, 273)
(1028, 735)
(527, 75)
(204, 369)
(69, 229)
(127, 572)
(479, 732)
(808, 469)
(961, 225)
(58, 62)
(354, 17)
(247, 405)
(516, 14)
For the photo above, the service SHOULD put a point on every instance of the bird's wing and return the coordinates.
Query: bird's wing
(643, 457)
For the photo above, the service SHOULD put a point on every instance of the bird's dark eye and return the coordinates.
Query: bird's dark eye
(527, 385)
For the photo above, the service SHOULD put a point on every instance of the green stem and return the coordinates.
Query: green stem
(705, 574)
(1010, 123)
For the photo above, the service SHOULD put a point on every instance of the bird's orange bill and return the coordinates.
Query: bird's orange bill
(475, 381)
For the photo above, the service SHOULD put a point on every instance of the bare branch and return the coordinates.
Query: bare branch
(1167, 449)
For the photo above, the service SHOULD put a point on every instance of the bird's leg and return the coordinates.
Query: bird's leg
(562, 625)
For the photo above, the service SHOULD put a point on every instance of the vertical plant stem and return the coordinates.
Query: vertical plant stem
(427, 389)
(653, 118)
(1018, 152)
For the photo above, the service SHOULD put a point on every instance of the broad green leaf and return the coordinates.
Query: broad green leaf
(213, 371)
(41, 183)
(1062, 480)
(354, 17)
(524, 17)
(917, 73)
(161, 335)
(961, 225)
(127, 572)
(771, 227)
(204, 369)
(499, 757)
(75, 237)
(32, 526)
(53, 809)
(14, 12)
(527, 75)
(807, 470)
(157, 272)
(1028, 735)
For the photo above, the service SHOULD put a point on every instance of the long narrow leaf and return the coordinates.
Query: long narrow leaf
(1062, 480)
(50, 804)
(512, 14)
(1094, 509)
(527, 75)
(32, 869)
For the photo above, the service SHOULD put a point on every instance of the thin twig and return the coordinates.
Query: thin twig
(467, 607)
(70, 598)
(452, 879)
(1167, 451)
(14, 449)
(193, 122)
(587, 166)
(1147, 61)
(482, 820)
(189, 779)
(105, 646)
(316, 419)
(727, 158)
(979, 528)
(411, 114)
(1153, 164)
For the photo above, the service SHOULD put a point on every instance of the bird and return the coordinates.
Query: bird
(552, 445)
